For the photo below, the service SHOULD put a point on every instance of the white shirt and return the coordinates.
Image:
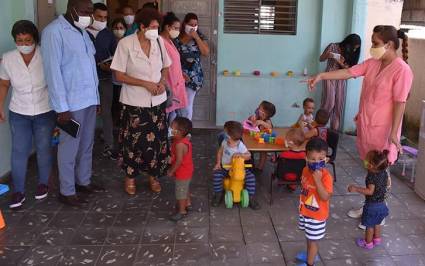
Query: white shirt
(130, 59)
(29, 88)
(229, 151)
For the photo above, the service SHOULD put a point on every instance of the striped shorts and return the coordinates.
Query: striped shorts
(314, 229)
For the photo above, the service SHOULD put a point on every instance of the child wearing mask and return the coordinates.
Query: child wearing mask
(181, 164)
(375, 209)
(262, 119)
(320, 130)
(232, 146)
(316, 191)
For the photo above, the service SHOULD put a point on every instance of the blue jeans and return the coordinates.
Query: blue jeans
(24, 128)
(188, 111)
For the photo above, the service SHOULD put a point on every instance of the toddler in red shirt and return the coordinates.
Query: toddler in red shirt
(181, 164)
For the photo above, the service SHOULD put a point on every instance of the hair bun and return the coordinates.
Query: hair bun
(401, 34)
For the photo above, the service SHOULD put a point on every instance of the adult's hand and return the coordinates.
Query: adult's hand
(151, 87)
(194, 34)
(64, 117)
(105, 67)
(160, 88)
(312, 81)
(394, 140)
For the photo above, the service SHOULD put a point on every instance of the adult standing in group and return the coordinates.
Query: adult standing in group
(142, 69)
(71, 75)
(169, 31)
(105, 44)
(30, 115)
(192, 45)
(341, 55)
(386, 85)
(128, 15)
(119, 27)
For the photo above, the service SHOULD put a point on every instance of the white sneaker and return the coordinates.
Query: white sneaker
(364, 227)
(355, 213)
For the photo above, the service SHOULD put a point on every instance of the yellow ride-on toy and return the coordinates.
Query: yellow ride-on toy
(234, 183)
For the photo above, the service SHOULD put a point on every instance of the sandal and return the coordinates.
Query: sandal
(178, 216)
(155, 185)
(130, 186)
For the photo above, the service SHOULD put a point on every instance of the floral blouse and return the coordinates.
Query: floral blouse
(190, 57)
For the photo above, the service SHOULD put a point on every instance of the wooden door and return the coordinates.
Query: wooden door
(46, 12)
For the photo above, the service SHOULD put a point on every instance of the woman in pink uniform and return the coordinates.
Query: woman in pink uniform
(171, 30)
(386, 85)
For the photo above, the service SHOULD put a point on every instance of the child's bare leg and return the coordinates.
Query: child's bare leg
(369, 234)
(262, 161)
(377, 231)
(182, 206)
(312, 249)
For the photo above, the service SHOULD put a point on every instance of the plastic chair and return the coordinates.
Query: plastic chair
(333, 139)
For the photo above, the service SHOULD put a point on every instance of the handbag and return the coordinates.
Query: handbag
(169, 92)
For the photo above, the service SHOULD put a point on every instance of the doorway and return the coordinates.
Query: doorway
(45, 13)
(204, 113)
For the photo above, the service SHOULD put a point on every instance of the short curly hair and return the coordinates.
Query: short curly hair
(146, 15)
(25, 27)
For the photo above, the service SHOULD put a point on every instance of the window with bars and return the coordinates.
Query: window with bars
(260, 16)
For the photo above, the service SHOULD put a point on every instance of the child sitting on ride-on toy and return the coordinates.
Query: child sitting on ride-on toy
(232, 146)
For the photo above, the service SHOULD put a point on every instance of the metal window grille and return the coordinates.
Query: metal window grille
(260, 16)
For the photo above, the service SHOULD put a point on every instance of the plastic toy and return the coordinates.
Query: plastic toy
(256, 73)
(247, 124)
(55, 137)
(237, 73)
(274, 74)
(2, 223)
(234, 183)
(290, 73)
(3, 188)
(279, 141)
(261, 140)
(226, 72)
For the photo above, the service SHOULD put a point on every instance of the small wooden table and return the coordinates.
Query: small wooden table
(253, 146)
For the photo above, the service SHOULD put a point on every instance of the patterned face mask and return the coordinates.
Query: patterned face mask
(315, 166)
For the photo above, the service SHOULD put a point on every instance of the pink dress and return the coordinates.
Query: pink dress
(175, 78)
(379, 93)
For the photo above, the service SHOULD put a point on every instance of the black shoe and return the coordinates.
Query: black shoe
(109, 152)
(89, 189)
(253, 204)
(217, 199)
(72, 200)
(42, 192)
(178, 216)
(189, 208)
(18, 199)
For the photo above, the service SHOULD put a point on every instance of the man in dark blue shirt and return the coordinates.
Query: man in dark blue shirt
(105, 44)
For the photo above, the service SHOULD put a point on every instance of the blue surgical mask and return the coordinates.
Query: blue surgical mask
(314, 166)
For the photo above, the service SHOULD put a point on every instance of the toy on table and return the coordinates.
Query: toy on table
(274, 74)
(234, 183)
(2, 222)
(290, 73)
(226, 72)
(237, 73)
(279, 141)
(256, 73)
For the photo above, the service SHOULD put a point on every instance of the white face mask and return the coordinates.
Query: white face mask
(377, 53)
(25, 49)
(151, 34)
(119, 33)
(98, 25)
(189, 28)
(129, 19)
(83, 21)
(174, 34)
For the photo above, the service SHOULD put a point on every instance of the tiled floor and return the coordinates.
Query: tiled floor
(115, 229)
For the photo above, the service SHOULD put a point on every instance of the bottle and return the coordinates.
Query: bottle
(305, 73)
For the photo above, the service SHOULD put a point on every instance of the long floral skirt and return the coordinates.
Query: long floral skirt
(143, 141)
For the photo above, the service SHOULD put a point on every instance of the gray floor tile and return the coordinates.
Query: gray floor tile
(90, 236)
(417, 260)
(55, 236)
(191, 254)
(11, 255)
(186, 235)
(228, 254)
(227, 234)
(42, 255)
(158, 235)
(123, 235)
(264, 253)
(80, 255)
(117, 255)
(155, 255)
